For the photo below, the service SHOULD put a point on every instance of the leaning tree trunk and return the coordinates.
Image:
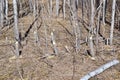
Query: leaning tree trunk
(112, 22)
(100, 70)
(16, 31)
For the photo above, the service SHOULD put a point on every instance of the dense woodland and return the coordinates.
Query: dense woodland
(59, 39)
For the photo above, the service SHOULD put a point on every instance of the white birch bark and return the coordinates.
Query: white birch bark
(16, 31)
(100, 69)
(6, 11)
(92, 15)
(6, 8)
(112, 22)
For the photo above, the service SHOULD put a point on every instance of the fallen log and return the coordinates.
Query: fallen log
(100, 69)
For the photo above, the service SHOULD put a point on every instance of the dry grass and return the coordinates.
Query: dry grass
(36, 63)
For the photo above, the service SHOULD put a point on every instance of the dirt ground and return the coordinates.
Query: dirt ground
(38, 62)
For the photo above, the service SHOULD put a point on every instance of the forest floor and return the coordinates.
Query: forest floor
(37, 62)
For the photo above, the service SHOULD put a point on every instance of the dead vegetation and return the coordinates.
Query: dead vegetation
(39, 62)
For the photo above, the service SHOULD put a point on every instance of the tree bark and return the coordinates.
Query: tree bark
(112, 22)
(57, 7)
(92, 16)
(1, 13)
(16, 31)
(100, 70)
(104, 11)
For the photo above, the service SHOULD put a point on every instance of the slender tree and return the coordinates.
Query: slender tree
(1, 13)
(104, 11)
(82, 10)
(6, 9)
(92, 15)
(91, 29)
(51, 1)
(31, 5)
(57, 7)
(76, 25)
(64, 9)
(50, 7)
(35, 14)
(16, 30)
(112, 22)
(98, 25)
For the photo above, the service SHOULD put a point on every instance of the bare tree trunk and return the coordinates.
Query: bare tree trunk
(64, 10)
(57, 7)
(118, 20)
(91, 29)
(35, 14)
(92, 15)
(112, 22)
(45, 27)
(30, 5)
(88, 4)
(98, 26)
(77, 3)
(82, 11)
(50, 7)
(1, 13)
(16, 30)
(92, 52)
(6, 12)
(6, 9)
(104, 11)
(20, 3)
(76, 26)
